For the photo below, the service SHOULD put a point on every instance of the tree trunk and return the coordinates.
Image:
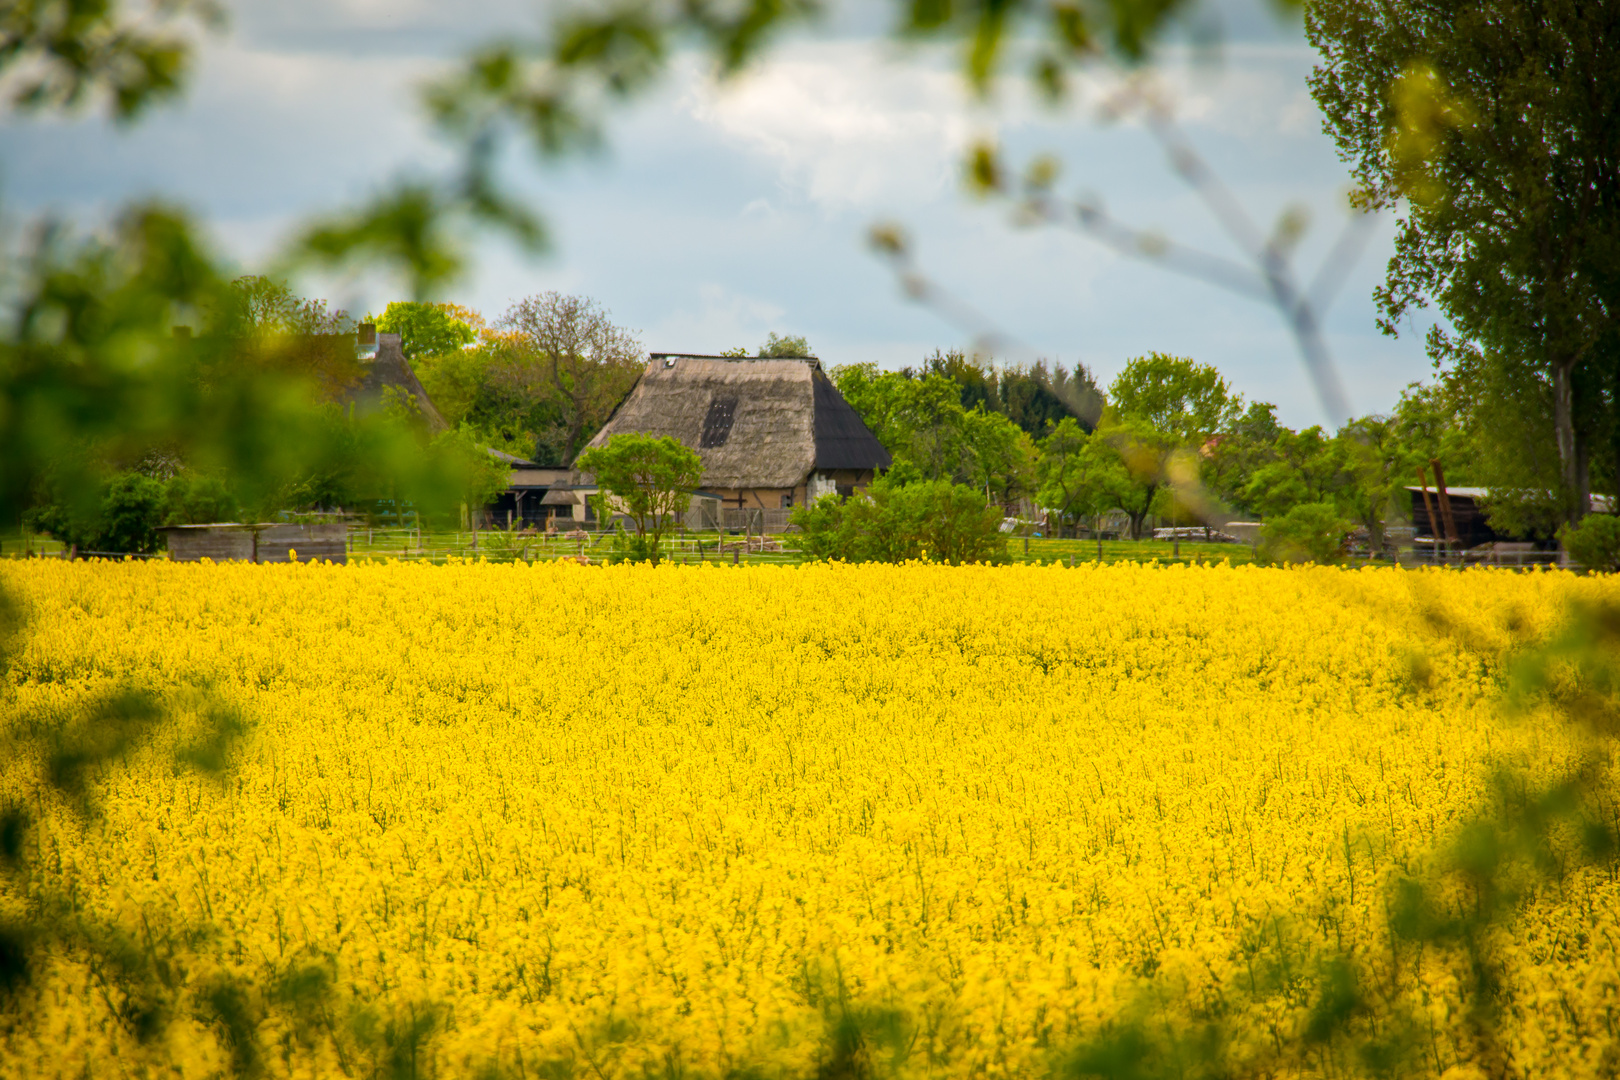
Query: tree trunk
(1571, 448)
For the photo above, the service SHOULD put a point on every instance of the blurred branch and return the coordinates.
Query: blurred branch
(891, 242)
(56, 54)
(1265, 274)
(418, 228)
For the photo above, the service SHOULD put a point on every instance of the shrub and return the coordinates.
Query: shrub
(893, 522)
(126, 519)
(1311, 532)
(1594, 543)
(131, 514)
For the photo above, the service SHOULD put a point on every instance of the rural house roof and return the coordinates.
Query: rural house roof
(390, 370)
(757, 423)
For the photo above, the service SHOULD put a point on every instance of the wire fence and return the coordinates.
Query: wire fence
(783, 549)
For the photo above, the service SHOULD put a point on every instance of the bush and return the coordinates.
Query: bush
(1594, 543)
(1312, 532)
(126, 519)
(893, 522)
(632, 547)
(131, 514)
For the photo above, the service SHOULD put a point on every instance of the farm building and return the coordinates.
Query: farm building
(535, 494)
(774, 433)
(388, 375)
(268, 542)
(1428, 515)
(1467, 514)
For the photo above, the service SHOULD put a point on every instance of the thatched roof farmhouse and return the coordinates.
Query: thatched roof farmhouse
(773, 432)
(387, 373)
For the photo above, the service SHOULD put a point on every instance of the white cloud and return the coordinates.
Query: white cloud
(846, 127)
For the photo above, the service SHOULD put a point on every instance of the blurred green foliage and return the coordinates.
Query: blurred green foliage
(71, 53)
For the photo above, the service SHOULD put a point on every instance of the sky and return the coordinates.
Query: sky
(716, 214)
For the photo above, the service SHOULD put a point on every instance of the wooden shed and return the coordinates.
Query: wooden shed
(773, 433)
(264, 543)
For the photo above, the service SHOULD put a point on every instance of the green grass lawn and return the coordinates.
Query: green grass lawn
(15, 543)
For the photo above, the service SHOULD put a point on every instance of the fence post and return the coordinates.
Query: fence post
(1026, 547)
(1099, 548)
(736, 556)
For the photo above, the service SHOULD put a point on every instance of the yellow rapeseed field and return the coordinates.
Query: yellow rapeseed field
(556, 820)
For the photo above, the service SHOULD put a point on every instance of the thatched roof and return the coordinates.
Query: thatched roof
(390, 370)
(757, 423)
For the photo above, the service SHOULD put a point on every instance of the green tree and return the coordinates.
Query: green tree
(1374, 466)
(124, 520)
(587, 362)
(1594, 542)
(1305, 468)
(261, 307)
(785, 346)
(132, 513)
(1310, 532)
(1146, 453)
(1001, 456)
(1078, 473)
(1160, 406)
(1237, 453)
(1494, 129)
(922, 422)
(424, 329)
(1175, 395)
(1034, 397)
(194, 499)
(651, 479)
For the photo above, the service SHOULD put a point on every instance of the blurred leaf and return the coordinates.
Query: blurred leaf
(59, 54)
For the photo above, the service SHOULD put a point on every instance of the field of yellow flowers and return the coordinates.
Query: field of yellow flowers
(557, 821)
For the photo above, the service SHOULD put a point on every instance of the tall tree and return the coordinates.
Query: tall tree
(1495, 128)
(1175, 395)
(589, 362)
(1078, 473)
(427, 329)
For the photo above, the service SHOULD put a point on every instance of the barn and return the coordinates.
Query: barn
(774, 433)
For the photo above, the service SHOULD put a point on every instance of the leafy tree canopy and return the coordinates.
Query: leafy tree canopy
(650, 480)
(785, 346)
(1175, 396)
(426, 329)
(1495, 128)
